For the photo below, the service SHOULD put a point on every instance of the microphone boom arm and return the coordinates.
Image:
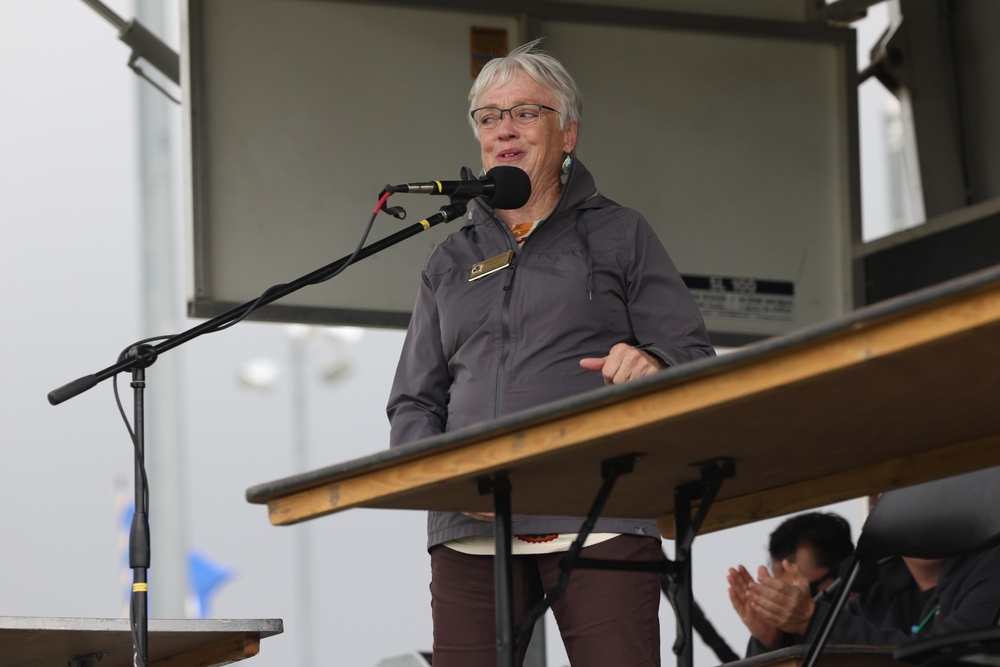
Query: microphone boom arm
(456, 208)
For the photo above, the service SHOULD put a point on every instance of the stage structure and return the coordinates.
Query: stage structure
(736, 135)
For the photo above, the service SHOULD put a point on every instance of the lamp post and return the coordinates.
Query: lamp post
(264, 374)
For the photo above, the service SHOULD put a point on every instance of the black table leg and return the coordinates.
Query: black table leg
(499, 485)
(713, 472)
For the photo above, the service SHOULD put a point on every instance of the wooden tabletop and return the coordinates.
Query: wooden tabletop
(896, 393)
(54, 642)
(834, 655)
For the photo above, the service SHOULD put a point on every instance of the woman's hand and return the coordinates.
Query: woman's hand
(623, 363)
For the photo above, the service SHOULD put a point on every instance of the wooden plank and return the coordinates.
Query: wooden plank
(815, 385)
(809, 494)
(224, 652)
(835, 655)
(45, 641)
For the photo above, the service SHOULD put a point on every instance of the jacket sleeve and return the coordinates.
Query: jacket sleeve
(971, 599)
(665, 319)
(852, 627)
(418, 401)
(855, 626)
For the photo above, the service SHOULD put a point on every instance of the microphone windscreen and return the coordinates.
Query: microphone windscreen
(511, 188)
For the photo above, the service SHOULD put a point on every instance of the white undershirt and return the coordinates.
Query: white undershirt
(484, 545)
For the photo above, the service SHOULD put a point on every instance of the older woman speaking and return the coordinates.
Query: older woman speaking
(584, 295)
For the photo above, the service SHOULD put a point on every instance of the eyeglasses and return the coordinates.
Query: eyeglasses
(522, 115)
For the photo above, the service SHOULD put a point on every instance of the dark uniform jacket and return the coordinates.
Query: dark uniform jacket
(592, 275)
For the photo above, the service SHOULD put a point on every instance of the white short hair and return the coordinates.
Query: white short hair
(540, 66)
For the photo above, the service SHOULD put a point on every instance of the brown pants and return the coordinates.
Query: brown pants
(605, 617)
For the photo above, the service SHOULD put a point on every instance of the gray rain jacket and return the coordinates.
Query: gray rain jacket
(592, 275)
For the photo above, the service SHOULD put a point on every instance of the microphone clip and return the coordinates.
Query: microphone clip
(397, 212)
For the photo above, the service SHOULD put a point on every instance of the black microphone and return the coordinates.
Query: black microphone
(501, 187)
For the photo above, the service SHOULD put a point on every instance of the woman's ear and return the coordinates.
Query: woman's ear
(570, 134)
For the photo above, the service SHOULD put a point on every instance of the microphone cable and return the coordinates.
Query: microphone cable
(249, 308)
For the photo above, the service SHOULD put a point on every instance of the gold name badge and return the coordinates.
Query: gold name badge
(488, 266)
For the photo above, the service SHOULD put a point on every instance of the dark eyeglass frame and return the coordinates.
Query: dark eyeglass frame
(510, 112)
(814, 585)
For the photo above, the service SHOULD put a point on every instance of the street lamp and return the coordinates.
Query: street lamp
(264, 373)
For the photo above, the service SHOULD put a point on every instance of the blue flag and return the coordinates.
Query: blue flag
(204, 577)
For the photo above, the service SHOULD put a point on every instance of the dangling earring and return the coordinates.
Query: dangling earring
(482, 172)
(567, 164)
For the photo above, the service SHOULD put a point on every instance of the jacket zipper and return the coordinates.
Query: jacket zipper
(498, 404)
(505, 333)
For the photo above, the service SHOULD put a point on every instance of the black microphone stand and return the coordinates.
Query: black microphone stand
(139, 357)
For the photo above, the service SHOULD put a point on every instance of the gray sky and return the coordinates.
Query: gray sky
(69, 202)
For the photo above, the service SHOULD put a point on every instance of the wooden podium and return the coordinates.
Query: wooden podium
(898, 393)
(107, 642)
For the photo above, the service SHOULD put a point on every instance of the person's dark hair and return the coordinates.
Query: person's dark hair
(828, 533)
